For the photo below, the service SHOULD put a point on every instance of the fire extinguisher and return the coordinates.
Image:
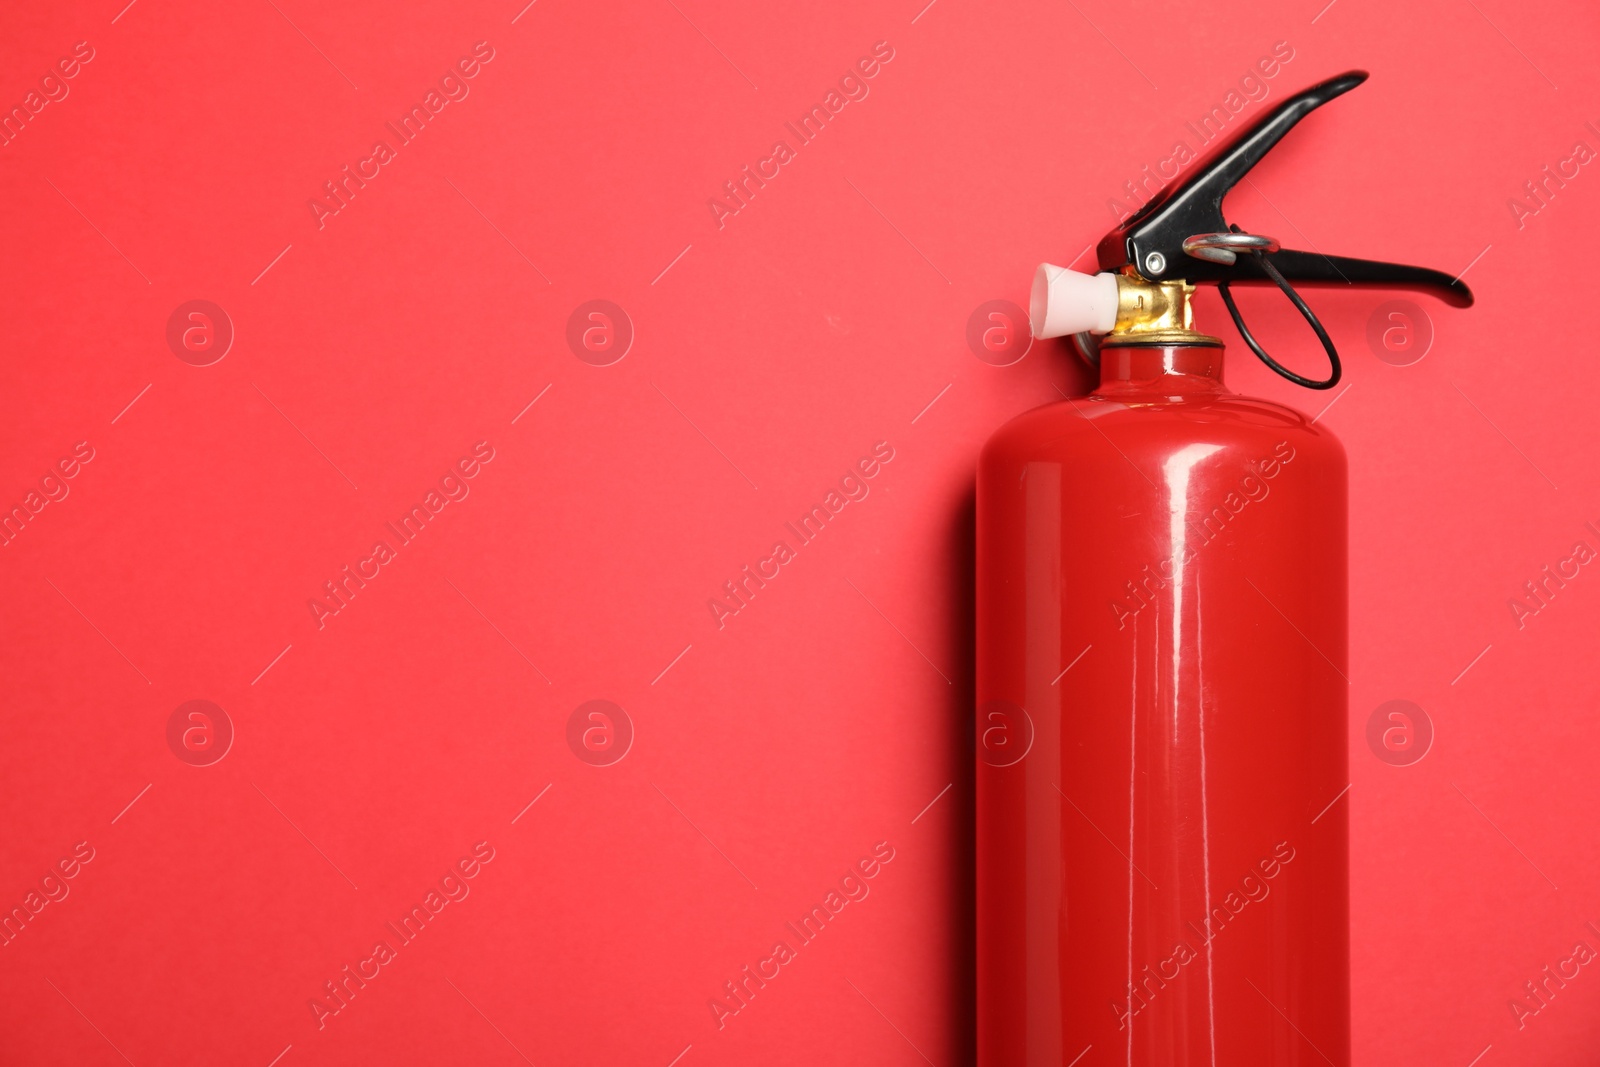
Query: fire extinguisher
(1162, 857)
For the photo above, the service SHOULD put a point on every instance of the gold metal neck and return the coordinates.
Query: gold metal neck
(1154, 313)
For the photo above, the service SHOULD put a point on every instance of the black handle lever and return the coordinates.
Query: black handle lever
(1314, 268)
(1152, 240)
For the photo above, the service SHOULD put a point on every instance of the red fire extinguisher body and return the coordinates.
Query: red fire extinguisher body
(1161, 728)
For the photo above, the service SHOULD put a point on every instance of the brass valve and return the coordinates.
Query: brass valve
(1154, 313)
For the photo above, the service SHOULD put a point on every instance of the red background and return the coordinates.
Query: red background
(772, 753)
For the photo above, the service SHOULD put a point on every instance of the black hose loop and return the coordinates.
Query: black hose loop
(1272, 272)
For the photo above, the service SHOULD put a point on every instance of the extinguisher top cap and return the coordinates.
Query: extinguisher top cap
(1066, 302)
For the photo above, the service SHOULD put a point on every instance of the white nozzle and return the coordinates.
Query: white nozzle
(1065, 301)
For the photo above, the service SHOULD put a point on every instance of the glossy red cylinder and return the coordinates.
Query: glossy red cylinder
(1162, 860)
